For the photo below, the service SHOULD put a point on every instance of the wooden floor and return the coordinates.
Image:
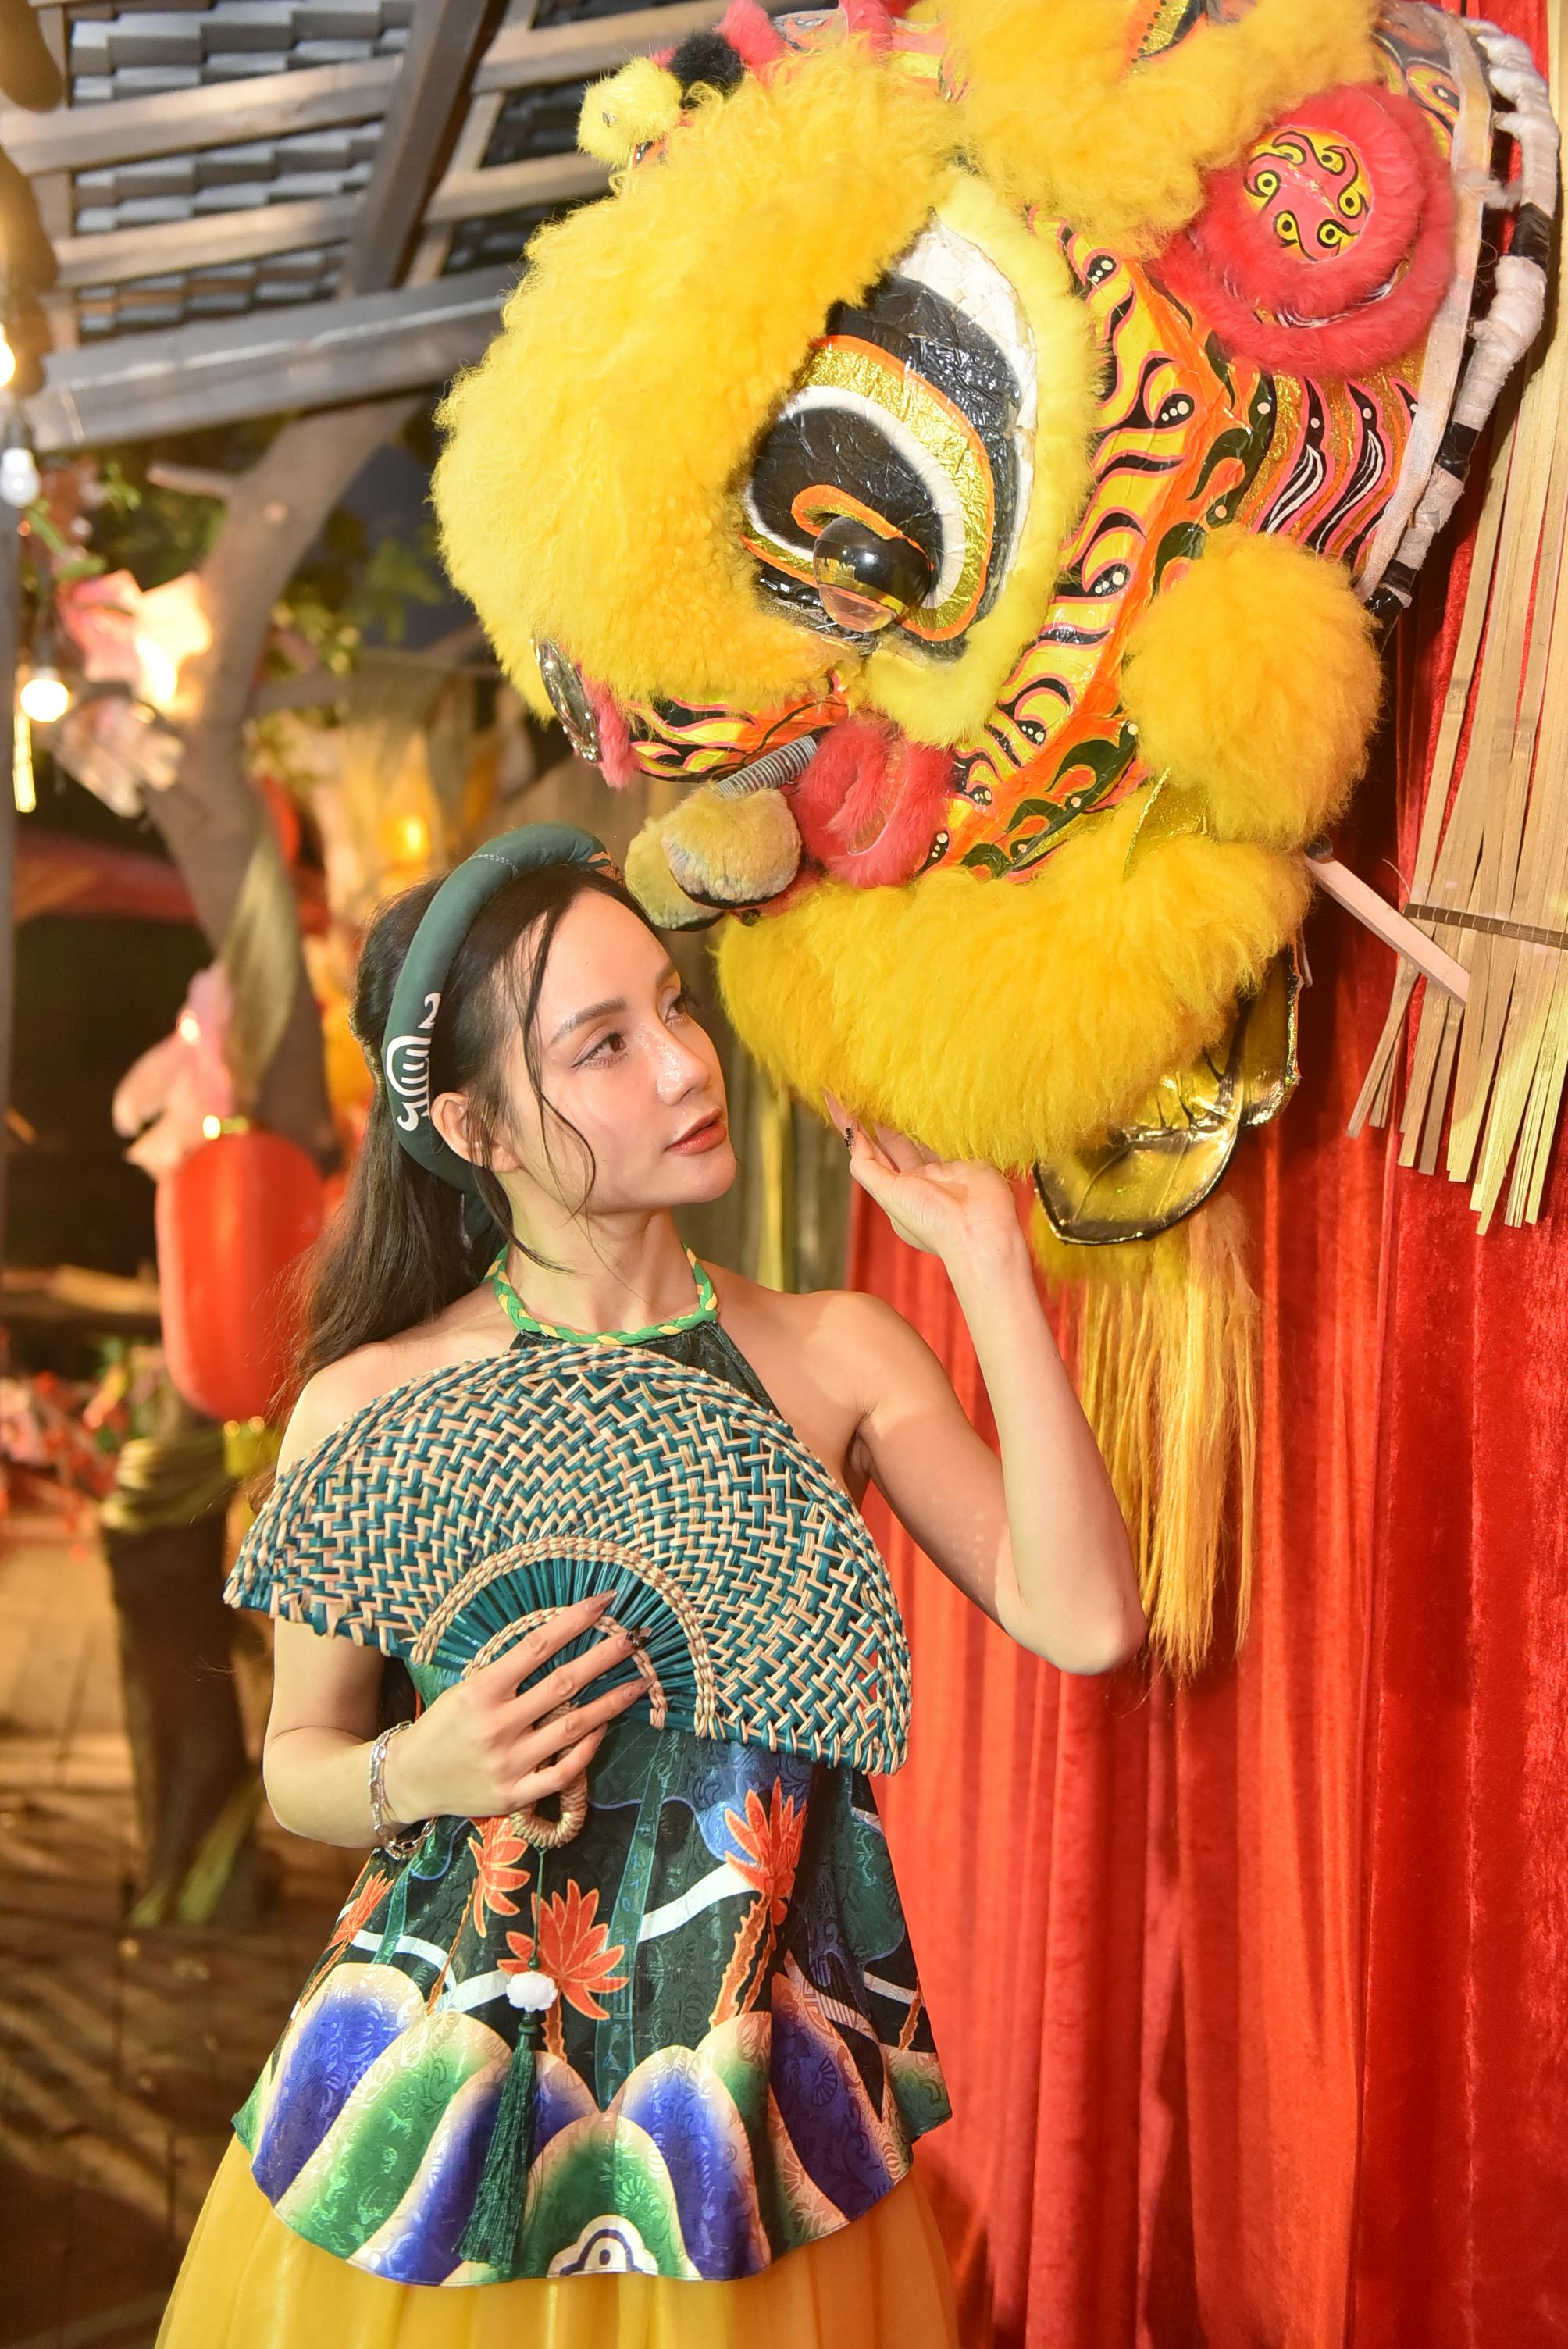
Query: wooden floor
(122, 2055)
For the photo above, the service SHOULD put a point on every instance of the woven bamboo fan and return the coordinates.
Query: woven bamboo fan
(445, 1520)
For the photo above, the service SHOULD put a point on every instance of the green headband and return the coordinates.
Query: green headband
(417, 997)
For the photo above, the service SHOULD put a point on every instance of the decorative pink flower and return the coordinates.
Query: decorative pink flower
(573, 1950)
(769, 1842)
(497, 1876)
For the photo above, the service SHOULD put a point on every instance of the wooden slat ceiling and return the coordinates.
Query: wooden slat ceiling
(280, 200)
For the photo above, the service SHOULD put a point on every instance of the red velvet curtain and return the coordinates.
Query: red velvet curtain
(1248, 1995)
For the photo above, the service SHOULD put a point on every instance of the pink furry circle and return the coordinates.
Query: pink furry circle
(869, 803)
(1327, 249)
(618, 761)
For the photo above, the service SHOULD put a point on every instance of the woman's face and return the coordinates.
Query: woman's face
(621, 1057)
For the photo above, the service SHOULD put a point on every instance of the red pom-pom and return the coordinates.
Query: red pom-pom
(869, 803)
(752, 35)
(616, 762)
(870, 18)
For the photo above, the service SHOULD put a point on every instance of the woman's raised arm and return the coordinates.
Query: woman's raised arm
(1037, 1539)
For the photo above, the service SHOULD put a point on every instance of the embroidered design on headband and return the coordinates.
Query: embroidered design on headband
(416, 997)
(407, 1060)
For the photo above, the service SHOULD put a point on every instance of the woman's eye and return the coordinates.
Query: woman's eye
(611, 1045)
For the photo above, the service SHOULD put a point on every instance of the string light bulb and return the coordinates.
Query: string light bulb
(23, 787)
(45, 697)
(19, 481)
(8, 359)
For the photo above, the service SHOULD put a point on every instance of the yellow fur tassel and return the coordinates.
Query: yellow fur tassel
(736, 851)
(654, 885)
(1054, 118)
(627, 110)
(1166, 1339)
(1254, 684)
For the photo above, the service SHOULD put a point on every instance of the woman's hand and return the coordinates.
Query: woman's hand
(950, 1207)
(482, 1749)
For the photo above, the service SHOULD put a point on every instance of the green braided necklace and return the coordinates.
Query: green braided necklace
(704, 1310)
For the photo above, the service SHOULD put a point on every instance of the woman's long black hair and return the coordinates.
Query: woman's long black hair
(396, 1251)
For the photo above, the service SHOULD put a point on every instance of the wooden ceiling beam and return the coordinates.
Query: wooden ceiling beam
(209, 240)
(419, 135)
(205, 240)
(318, 98)
(430, 256)
(139, 387)
(177, 121)
(509, 187)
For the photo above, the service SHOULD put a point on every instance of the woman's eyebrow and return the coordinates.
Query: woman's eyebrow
(589, 1011)
(613, 1003)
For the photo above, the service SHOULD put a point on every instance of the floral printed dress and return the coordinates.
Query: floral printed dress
(736, 2064)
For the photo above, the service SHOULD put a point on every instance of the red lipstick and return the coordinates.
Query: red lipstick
(706, 1137)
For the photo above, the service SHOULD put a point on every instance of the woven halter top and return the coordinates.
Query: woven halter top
(446, 1518)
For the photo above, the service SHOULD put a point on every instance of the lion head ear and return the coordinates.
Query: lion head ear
(633, 110)
(627, 110)
(1057, 115)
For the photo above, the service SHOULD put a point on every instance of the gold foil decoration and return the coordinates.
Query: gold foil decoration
(842, 363)
(1170, 810)
(1164, 1162)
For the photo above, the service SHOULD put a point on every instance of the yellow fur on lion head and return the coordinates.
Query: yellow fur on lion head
(1057, 118)
(676, 314)
(672, 316)
(1270, 724)
(590, 492)
(963, 1012)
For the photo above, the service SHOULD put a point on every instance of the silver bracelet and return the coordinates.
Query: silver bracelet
(383, 1827)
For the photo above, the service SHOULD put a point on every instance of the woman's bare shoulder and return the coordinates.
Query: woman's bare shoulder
(333, 1394)
(469, 1328)
(834, 1326)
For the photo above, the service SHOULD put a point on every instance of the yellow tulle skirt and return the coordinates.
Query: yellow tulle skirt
(248, 2281)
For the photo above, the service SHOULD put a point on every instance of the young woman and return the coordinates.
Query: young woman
(620, 2025)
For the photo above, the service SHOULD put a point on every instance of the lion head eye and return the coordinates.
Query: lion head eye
(890, 490)
(865, 580)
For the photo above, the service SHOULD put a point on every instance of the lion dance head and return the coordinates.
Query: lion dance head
(977, 451)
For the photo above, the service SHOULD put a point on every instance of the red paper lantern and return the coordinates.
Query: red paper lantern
(233, 1219)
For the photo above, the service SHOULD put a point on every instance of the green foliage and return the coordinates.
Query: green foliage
(353, 588)
(356, 587)
(157, 533)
